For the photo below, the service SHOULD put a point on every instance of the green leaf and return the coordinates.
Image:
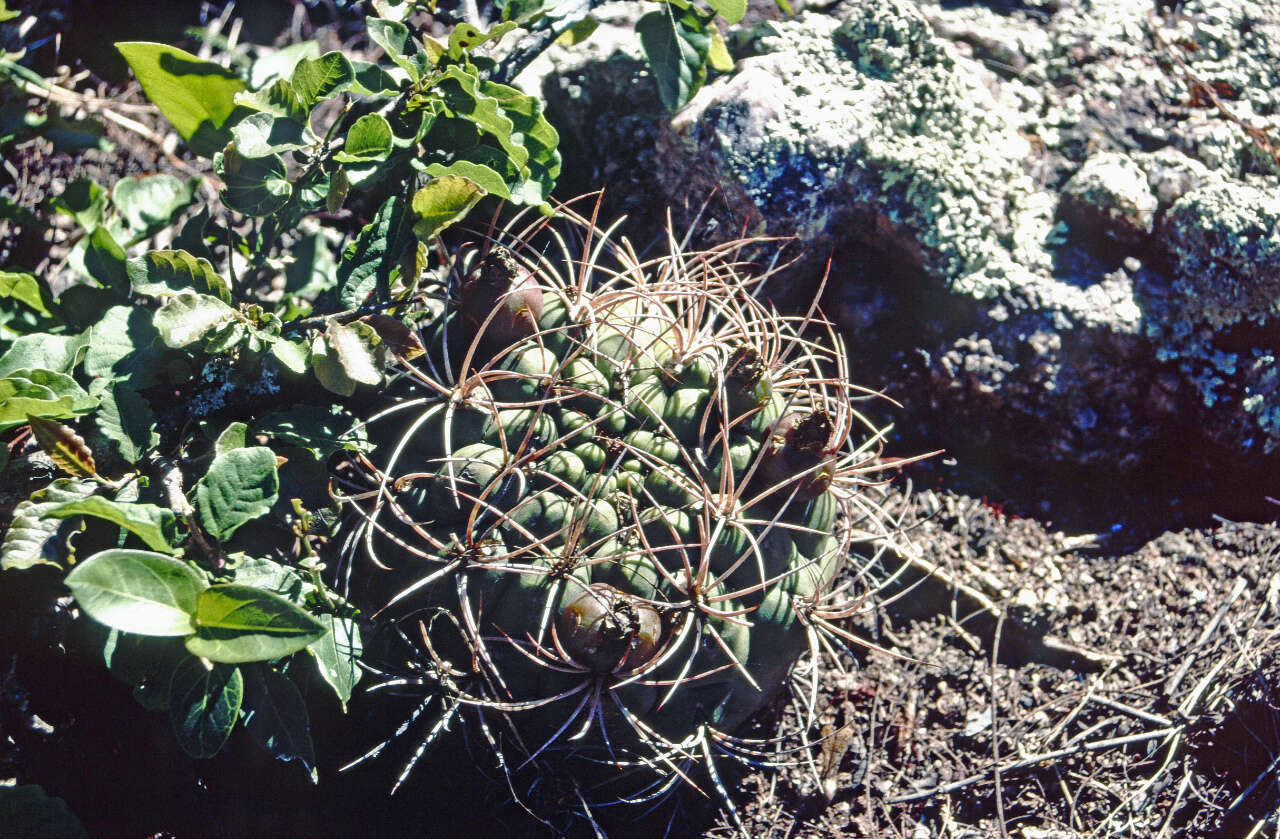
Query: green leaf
(187, 317)
(442, 202)
(25, 810)
(293, 356)
(372, 80)
(231, 438)
(337, 655)
(59, 353)
(320, 78)
(263, 134)
(395, 41)
(126, 419)
(268, 575)
(463, 96)
(137, 591)
(25, 288)
(237, 623)
(41, 393)
(275, 715)
(731, 10)
(320, 429)
(32, 538)
(279, 64)
(346, 356)
(157, 273)
(718, 57)
(466, 37)
(256, 186)
(84, 201)
(676, 46)
(149, 203)
(578, 32)
(121, 347)
(367, 263)
(280, 99)
(483, 176)
(240, 486)
(369, 139)
(197, 96)
(204, 703)
(155, 526)
(104, 261)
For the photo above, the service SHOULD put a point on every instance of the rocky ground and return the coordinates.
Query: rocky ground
(1050, 231)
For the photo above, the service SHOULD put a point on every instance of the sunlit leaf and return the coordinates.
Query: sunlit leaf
(160, 272)
(197, 96)
(237, 623)
(442, 202)
(368, 139)
(32, 539)
(155, 526)
(137, 591)
(25, 288)
(337, 655)
(187, 317)
(150, 202)
(348, 355)
(320, 78)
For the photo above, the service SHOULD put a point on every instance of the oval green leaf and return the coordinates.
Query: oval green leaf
(256, 186)
(240, 486)
(368, 140)
(197, 96)
(154, 525)
(442, 202)
(237, 623)
(137, 591)
(204, 702)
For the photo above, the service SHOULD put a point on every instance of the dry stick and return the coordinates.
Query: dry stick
(1131, 711)
(1211, 627)
(1025, 763)
(995, 725)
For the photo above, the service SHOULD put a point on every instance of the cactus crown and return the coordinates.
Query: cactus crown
(617, 498)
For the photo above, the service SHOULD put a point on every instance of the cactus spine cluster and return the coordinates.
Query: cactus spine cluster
(617, 502)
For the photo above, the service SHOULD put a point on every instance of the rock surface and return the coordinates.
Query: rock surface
(1054, 231)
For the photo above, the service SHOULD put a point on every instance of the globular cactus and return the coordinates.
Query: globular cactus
(618, 498)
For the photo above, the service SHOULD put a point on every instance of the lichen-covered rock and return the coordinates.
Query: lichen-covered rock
(1110, 194)
(1223, 242)
(864, 128)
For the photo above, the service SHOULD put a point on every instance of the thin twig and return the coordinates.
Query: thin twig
(1095, 746)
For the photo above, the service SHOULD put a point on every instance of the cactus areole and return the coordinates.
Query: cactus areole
(615, 502)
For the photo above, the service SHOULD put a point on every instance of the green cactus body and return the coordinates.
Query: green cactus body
(638, 503)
